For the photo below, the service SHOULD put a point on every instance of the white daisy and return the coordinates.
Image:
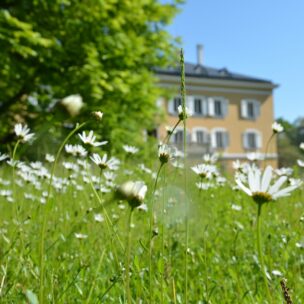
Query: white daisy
(300, 163)
(3, 156)
(165, 153)
(302, 146)
(259, 186)
(72, 104)
(80, 236)
(23, 132)
(130, 149)
(76, 150)
(205, 170)
(97, 115)
(277, 127)
(181, 113)
(133, 192)
(210, 158)
(49, 158)
(90, 139)
(104, 162)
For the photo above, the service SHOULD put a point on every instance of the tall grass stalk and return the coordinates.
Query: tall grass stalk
(163, 236)
(95, 277)
(14, 181)
(183, 96)
(47, 208)
(128, 253)
(151, 232)
(260, 253)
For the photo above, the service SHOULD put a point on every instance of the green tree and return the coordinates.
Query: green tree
(289, 141)
(104, 50)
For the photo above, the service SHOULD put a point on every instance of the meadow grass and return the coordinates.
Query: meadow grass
(85, 258)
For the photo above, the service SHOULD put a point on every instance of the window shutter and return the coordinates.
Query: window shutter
(171, 106)
(259, 140)
(206, 138)
(193, 136)
(257, 110)
(244, 113)
(213, 139)
(205, 106)
(226, 139)
(225, 104)
(210, 107)
(245, 141)
(190, 103)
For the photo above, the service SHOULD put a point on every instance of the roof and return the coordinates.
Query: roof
(202, 71)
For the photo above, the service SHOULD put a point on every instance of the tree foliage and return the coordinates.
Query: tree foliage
(289, 141)
(104, 50)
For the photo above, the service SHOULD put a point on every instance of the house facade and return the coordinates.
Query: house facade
(232, 113)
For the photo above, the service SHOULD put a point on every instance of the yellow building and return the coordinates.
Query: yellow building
(232, 113)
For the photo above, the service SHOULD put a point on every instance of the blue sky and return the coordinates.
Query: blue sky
(261, 38)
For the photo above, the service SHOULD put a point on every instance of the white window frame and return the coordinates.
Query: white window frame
(256, 104)
(258, 139)
(194, 138)
(224, 106)
(214, 139)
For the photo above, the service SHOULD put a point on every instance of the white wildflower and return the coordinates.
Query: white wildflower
(49, 158)
(277, 127)
(3, 157)
(73, 104)
(130, 149)
(181, 114)
(23, 132)
(90, 139)
(104, 162)
(259, 186)
(133, 192)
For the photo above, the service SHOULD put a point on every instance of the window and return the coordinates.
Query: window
(173, 105)
(198, 107)
(217, 107)
(252, 140)
(177, 101)
(219, 139)
(178, 137)
(200, 136)
(250, 109)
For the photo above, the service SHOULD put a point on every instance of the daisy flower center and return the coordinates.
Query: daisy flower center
(261, 197)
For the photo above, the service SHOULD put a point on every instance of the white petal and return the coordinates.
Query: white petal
(251, 180)
(257, 179)
(242, 187)
(274, 188)
(284, 192)
(266, 179)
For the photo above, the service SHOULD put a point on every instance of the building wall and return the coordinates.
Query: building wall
(232, 122)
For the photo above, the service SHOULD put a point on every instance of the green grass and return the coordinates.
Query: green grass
(222, 259)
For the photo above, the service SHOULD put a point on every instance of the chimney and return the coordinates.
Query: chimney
(200, 54)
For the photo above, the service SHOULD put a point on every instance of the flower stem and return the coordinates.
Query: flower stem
(45, 213)
(267, 147)
(150, 233)
(127, 267)
(183, 95)
(259, 247)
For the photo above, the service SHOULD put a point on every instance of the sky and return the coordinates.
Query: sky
(260, 38)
